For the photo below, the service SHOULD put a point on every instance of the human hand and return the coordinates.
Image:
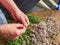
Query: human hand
(12, 31)
(22, 18)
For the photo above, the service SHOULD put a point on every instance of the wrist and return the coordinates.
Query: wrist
(18, 11)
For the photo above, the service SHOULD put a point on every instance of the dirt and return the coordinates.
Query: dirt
(48, 13)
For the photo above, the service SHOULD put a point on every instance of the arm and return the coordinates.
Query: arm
(15, 11)
(11, 7)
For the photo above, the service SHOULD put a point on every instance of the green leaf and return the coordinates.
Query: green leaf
(33, 19)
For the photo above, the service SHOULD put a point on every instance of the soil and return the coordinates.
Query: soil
(48, 13)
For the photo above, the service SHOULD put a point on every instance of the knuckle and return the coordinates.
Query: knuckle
(16, 33)
(24, 31)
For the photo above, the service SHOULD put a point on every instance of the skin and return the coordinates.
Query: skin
(13, 31)
(15, 11)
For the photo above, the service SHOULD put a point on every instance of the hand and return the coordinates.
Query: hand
(22, 18)
(12, 31)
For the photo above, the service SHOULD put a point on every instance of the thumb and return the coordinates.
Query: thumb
(18, 25)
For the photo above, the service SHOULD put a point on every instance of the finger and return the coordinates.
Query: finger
(10, 37)
(23, 21)
(14, 38)
(17, 25)
(26, 19)
(17, 32)
(17, 37)
(20, 32)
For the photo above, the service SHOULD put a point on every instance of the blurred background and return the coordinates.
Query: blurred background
(45, 5)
